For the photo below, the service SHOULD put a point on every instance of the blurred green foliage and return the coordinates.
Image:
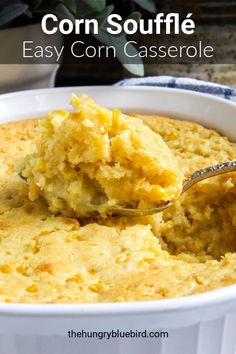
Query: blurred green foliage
(22, 12)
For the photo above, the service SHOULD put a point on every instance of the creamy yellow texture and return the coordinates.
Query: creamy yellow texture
(185, 250)
(94, 159)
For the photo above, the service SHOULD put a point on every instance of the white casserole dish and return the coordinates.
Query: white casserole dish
(199, 324)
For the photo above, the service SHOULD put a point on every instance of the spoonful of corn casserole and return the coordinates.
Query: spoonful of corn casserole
(98, 161)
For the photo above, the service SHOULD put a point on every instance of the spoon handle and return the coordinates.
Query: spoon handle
(208, 172)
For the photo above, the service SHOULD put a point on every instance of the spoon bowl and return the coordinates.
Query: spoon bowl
(196, 177)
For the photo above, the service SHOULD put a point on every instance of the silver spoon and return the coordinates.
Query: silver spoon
(196, 177)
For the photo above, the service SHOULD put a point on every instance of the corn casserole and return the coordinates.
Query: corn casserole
(189, 248)
(93, 159)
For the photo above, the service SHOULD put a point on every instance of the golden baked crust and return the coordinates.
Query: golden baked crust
(185, 250)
